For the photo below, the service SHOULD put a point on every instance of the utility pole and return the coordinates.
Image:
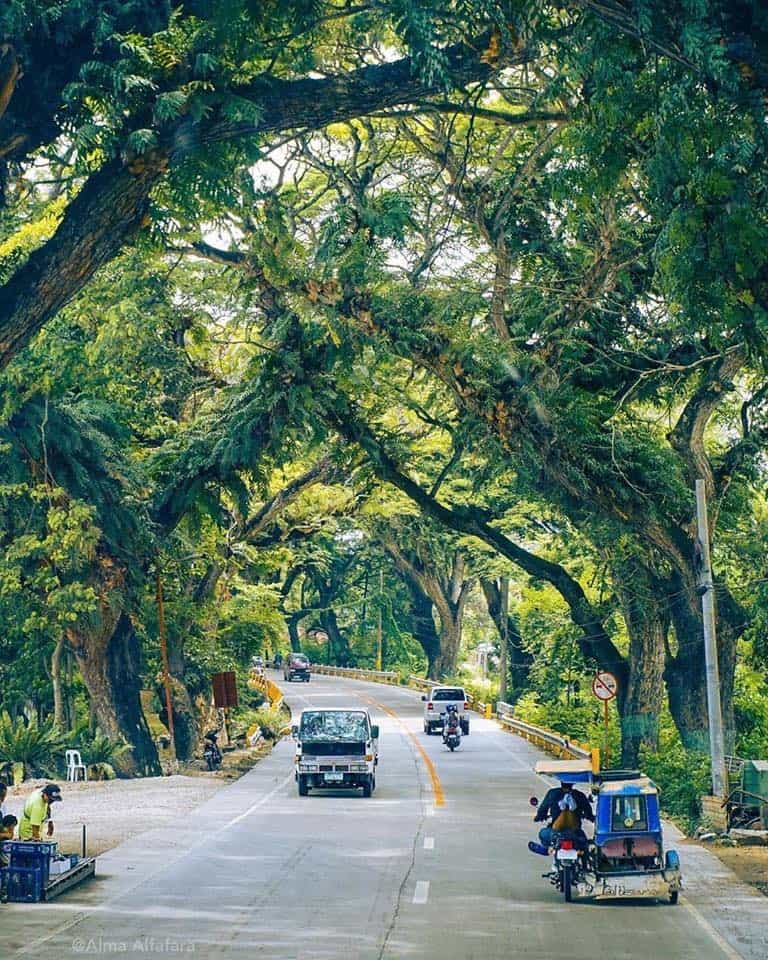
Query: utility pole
(379, 637)
(714, 707)
(504, 634)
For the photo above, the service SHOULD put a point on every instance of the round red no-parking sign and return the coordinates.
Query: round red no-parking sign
(605, 686)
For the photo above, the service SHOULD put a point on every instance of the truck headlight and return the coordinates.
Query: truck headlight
(358, 767)
(308, 767)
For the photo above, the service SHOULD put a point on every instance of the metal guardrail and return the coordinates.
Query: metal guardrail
(377, 676)
(562, 747)
(391, 676)
(259, 681)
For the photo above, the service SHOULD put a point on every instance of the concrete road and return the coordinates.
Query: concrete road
(434, 865)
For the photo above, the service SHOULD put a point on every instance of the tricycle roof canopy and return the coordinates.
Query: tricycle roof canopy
(570, 771)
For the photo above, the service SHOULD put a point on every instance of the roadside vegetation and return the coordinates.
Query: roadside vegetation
(330, 320)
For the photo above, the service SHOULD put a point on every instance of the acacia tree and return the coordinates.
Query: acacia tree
(440, 573)
(176, 102)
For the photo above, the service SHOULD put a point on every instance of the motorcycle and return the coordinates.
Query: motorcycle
(568, 852)
(451, 734)
(211, 752)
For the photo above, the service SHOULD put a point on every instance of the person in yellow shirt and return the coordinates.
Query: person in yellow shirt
(37, 810)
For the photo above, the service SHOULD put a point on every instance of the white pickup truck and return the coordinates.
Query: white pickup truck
(336, 749)
(436, 704)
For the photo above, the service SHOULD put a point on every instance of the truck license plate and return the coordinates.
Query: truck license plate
(334, 777)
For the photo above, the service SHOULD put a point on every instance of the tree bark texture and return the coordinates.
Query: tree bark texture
(641, 689)
(423, 625)
(103, 217)
(56, 683)
(685, 670)
(108, 655)
(519, 659)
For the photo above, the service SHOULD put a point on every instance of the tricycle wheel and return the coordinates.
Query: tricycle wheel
(674, 896)
(567, 884)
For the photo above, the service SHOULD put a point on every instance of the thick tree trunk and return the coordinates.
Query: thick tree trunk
(109, 659)
(340, 653)
(186, 730)
(450, 640)
(641, 694)
(519, 658)
(685, 672)
(424, 625)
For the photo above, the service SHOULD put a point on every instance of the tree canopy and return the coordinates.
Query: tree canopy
(339, 315)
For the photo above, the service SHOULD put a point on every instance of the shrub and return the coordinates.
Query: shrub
(98, 748)
(682, 777)
(38, 747)
(272, 720)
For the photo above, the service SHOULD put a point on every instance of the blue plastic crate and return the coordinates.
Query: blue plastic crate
(24, 884)
(34, 847)
(30, 855)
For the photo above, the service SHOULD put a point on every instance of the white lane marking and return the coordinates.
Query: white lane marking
(421, 893)
(429, 843)
(702, 921)
(429, 812)
(259, 803)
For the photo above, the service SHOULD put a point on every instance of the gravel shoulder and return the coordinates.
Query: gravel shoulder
(116, 810)
(750, 864)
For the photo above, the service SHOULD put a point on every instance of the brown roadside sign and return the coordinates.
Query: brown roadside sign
(224, 689)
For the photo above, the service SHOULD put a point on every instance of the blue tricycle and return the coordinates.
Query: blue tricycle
(626, 857)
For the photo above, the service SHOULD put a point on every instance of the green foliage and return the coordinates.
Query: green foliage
(96, 747)
(38, 746)
(751, 708)
(272, 720)
(683, 776)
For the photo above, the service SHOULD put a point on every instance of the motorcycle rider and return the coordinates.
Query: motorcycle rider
(211, 751)
(452, 723)
(565, 808)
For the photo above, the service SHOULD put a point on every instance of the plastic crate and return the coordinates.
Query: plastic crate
(29, 855)
(29, 847)
(24, 884)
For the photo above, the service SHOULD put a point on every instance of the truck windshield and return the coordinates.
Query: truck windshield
(333, 725)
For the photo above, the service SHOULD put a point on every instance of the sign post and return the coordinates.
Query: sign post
(605, 686)
(225, 694)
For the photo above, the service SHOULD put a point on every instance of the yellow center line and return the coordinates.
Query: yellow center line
(437, 787)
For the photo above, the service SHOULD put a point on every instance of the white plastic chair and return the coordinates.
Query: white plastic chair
(75, 765)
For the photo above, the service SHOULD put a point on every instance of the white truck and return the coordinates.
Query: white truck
(336, 749)
(436, 704)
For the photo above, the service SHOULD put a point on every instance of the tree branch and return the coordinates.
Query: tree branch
(594, 642)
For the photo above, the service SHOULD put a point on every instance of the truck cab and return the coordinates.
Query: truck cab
(336, 749)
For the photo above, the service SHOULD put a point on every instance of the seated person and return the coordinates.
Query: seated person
(451, 723)
(7, 828)
(565, 808)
